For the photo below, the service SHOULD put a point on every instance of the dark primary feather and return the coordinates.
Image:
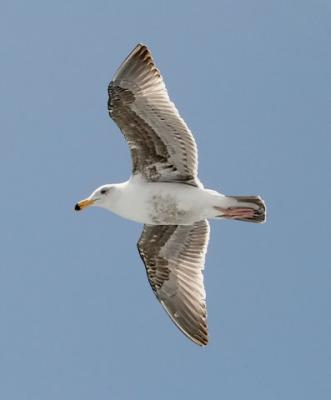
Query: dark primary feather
(174, 257)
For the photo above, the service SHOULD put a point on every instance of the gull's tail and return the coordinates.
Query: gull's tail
(243, 208)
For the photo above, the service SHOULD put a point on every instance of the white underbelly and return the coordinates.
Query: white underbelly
(162, 203)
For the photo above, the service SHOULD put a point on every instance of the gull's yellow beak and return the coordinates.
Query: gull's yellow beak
(83, 204)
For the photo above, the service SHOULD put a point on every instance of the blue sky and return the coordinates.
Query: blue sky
(78, 318)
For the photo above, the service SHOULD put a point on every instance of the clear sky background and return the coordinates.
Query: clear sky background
(78, 319)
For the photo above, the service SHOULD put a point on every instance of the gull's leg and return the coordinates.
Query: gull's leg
(243, 208)
(235, 212)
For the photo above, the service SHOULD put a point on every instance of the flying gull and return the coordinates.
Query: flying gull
(165, 194)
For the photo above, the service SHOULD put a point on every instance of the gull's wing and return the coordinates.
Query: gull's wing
(162, 146)
(174, 257)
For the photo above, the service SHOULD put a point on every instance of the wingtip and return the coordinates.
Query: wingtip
(201, 343)
(141, 46)
(140, 50)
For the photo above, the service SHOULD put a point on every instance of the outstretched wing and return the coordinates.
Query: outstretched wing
(162, 146)
(174, 257)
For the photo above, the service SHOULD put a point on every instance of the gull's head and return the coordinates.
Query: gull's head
(99, 198)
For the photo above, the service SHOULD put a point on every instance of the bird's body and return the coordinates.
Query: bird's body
(165, 194)
(165, 203)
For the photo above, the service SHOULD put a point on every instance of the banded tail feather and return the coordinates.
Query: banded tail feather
(245, 208)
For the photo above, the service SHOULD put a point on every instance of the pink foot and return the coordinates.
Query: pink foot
(236, 212)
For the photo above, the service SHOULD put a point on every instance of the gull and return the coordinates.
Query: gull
(165, 194)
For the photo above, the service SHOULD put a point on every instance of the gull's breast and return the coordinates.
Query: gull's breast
(158, 203)
(165, 209)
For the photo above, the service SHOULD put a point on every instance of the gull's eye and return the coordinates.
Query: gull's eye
(103, 191)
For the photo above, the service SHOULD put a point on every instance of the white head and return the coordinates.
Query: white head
(100, 198)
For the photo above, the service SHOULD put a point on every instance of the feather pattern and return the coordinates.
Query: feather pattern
(162, 146)
(174, 257)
